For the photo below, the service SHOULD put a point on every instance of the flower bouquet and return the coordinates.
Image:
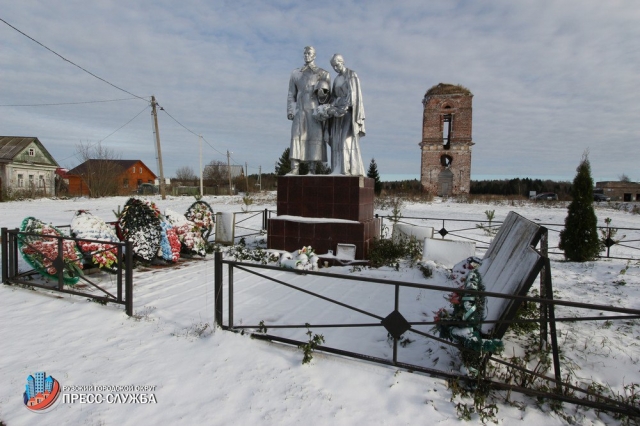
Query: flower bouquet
(41, 251)
(188, 233)
(87, 226)
(170, 245)
(461, 322)
(304, 259)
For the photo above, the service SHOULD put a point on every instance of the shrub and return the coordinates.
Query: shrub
(579, 238)
(387, 252)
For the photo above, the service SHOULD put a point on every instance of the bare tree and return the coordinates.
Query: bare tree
(100, 170)
(186, 174)
(216, 173)
(624, 178)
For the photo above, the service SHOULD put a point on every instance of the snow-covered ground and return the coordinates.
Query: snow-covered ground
(207, 376)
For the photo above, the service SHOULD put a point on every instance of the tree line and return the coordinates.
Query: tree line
(519, 186)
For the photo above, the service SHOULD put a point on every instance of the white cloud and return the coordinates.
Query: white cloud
(549, 79)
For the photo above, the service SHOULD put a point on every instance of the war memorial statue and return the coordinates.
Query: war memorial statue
(321, 118)
(309, 136)
(347, 123)
(331, 215)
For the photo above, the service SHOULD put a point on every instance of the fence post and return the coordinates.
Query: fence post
(5, 256)
(128, 278)
(265, 215)
(544, 252)
(120, 258)
(218, 288)
(396, 307)
(60, 263)
(13, 253)
(552, 326)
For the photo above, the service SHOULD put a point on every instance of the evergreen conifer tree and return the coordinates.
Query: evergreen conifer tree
(373, 174)
(283, 166)
(579, 238)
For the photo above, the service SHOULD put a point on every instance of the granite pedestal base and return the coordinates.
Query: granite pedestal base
(322, 211)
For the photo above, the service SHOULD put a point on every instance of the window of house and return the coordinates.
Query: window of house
(140, 170)
(134, 169)
(41, 181)
(31, 180)
(447, 121)
(32, 152)
(125, 183)
(139, 182)
(20, 180)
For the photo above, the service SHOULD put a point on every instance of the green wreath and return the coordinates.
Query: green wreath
(461, 323)
(41, 252)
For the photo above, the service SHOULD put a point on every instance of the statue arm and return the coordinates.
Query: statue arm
(291, 98)
(356, 102)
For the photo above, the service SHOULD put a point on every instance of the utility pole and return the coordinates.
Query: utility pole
(246, 175)
(201, 189)
(155, 123)
(260, 178)
(229, 169)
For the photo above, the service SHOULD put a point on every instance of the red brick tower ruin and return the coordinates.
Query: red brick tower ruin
(446, 140)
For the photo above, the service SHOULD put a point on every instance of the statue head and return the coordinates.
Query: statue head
(337, 62)
(309, 54)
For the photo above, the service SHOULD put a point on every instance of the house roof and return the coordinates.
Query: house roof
(11, 146)
(94, 164)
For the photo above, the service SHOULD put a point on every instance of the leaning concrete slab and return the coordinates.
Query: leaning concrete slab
(510, 266)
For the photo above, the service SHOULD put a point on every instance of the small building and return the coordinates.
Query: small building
(26, 167)
(99, 178)
(619, 191)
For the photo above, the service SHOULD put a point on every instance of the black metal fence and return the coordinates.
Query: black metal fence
(559, 389)
(250, 223)
(123, 269)
(617, 243)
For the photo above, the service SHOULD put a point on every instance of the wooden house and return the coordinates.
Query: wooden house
(99, 178)
(26, 167)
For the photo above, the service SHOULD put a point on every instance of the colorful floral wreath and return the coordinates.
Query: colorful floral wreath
(90, 227)
(188, 233)
(461, 323)
(41, 252)
(202, 215)
(169, 243)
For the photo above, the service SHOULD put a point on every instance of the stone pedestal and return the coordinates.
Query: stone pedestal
(323, 210)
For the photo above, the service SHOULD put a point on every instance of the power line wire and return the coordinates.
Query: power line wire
(191, 131)
(110, 134)
(67, 103)
(136, 116)
(105, 81)
(203, 138)
(73, 63)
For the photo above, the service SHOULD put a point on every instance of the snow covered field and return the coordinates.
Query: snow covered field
(206, 376)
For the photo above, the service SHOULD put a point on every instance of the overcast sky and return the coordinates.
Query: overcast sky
(550, 79)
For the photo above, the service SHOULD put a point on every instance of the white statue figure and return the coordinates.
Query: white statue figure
(347, 125)
(308, 135)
